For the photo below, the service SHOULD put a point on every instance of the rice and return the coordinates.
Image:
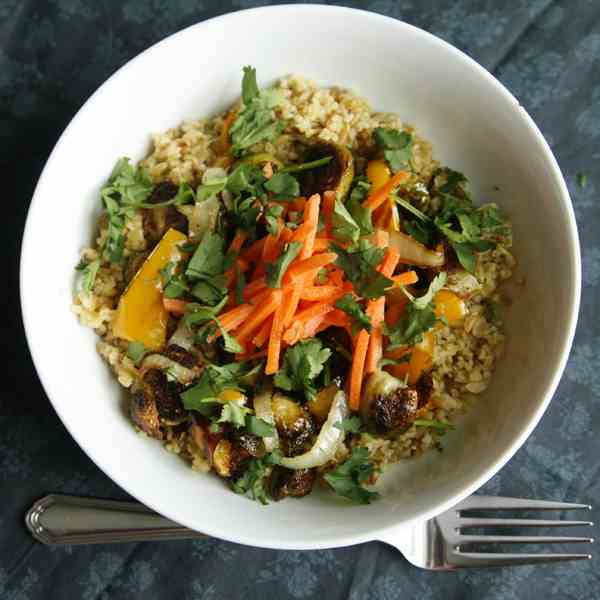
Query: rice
(465, 355)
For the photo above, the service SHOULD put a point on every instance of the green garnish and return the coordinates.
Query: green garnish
(234, 413)
(275, 271)
(88, 274)
(283, 186)
(259, 427)
(343, 226)
(302, 364)
(418, 318)
(347, 479)
(313, 164)
(397, 146)
(441, 425)
(136, 351)
(272, 213)
(362, 216)
(255, 122)
(253, 481)
(360, 266)
(351, 424)
(360, 319)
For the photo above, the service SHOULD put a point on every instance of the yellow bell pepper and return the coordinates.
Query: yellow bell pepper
(141, 316)
(378, 173)
(421, 358)
(450, 306)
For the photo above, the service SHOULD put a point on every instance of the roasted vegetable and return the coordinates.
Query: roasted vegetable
(334, 176)
(294, 425)
(229, 458)
(144, 414)
(141, 316)
(165, 395)
(156, 221)
(291, 482)
(387, 404)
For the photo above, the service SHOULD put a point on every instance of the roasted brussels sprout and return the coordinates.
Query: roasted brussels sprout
(294, 425)
(291, 482)
(335, 176)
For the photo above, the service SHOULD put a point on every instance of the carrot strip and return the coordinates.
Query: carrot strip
(311, 219)
(235, 317)
(322, 244)
(271, 247)
(174, 305)
(224, 135)
(302, 267)
(328, 206)
(357, 371)
(286, 235)
(378, 197)
(274, 348)
(406, 278)
(253, 251)
(258, 315)
(323, 293)
(258, 285)
(316, 309)
(260, 297)
(298, 331)
(262, 336)
(291, 302)
(238, 241)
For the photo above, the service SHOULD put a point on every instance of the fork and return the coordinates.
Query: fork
(437, 544)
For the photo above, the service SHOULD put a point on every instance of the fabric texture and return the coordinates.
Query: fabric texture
(53, 55)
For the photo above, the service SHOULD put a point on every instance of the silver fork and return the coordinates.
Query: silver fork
(436, 544)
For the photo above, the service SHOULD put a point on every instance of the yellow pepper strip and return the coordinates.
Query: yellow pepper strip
(141, 316)
(449, 305)
(421, 358)
(378, 173)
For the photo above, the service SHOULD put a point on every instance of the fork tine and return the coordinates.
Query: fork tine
(484, 522)
(522, 539)
(502, 503)
(477, 559)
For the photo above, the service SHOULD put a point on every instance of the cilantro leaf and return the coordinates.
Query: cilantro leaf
(272, 214)
(255, 122)
(442, 425)
(347, 479)
(302, 364)
(362, 216)
(253, 481)
(208, 259)
(259, 427)
(360, 319)
(88, 274)
(360, 266)
(313, 164)
(234, 413)
(422, 232)
(351, 424)
(284, 186)
(212, 291)
(397, 146)
(136, 351)
(276, 271)
(418, 318)
(344, 227)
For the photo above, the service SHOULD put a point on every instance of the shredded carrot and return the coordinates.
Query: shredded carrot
(328, 207)
(290, 304)
(271, 247)
(174, 305)
(381, 216)
(235, 317)
(357, 371)
(254, 287)
(262, 336)
(302, 267)
(322, 293)
(286, 235)
(253, 251)
(406, 278)
(299, 331)
(378, 197)
(224, 135)
(322, 244)
(258, 315)
(260, 296)
(274, 348)
(311, 220)
(382, 238)
(238, 241)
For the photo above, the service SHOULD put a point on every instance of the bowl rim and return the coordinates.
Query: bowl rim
(567, 338)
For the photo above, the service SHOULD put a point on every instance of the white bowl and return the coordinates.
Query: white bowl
(476, 126)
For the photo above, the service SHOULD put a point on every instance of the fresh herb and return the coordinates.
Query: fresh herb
(272, 214)
(88, 274)
(397, 146)
(313, 164)
(423, 232)
(405, 204)
(360, 266)
(136, 351)
(255, 122)
(440, 425)
(275, 271)
(253, 481)
(384, 362)
(344, 227)
(215, 428)
(322, 276)
(582, 180)
(205, 317)
(302, 364)
(259, 427)
(207, 260)
(418, 318)
(234, 413)
(360, 319)
(362, 216)
(348, 478)
(283, 186)
(176, 287)
(351, 424)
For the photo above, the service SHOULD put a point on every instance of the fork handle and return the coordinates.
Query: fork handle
(58, 520)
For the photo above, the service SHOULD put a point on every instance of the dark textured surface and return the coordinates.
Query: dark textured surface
(52, 56)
